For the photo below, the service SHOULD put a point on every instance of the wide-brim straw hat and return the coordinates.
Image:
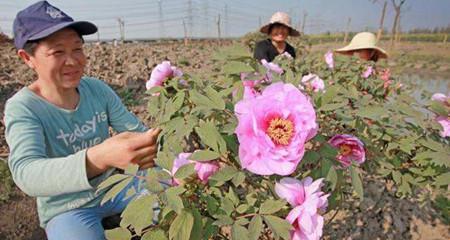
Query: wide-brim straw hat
(363, 40)
(280, 18)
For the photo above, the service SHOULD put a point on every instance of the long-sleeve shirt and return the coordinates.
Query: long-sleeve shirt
(48, 145)
(266, 50)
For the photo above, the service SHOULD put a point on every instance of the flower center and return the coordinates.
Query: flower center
(345, 149)
(280, 131)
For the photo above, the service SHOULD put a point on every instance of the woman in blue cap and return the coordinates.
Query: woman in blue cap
(57, 128)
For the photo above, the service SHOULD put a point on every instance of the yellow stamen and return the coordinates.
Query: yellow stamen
(345, 149)
(280, 131)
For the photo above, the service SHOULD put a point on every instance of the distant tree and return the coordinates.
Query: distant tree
(397, 4)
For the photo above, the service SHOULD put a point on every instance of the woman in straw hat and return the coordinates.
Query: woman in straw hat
(279, 28)
(364, 46)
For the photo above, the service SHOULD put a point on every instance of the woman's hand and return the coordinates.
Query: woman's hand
(121, 150)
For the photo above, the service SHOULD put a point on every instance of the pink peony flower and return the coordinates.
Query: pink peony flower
(160, 73)
(440, 97)
(249, 90)
(272, 129)
(203, 169)
(350, 149)
(329, 59)
(272, 66)
(368, 72)
(307, 199)
(313, 82)
(445, 123)
(386, 76)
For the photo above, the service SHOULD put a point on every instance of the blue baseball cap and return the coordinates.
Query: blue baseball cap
(41, 20)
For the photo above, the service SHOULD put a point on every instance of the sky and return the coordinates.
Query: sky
(152, 19)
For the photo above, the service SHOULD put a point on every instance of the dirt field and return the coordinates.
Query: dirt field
(126, 67)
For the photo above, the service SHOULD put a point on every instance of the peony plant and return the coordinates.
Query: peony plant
(259, 149)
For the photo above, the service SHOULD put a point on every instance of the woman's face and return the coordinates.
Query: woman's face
(364, 54)
(279, 33)
(59, 59)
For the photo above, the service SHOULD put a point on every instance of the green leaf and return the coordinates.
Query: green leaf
(133, 215)
(271, 206)
(333, 106)
(197, 228)
(224, 174)
(238, 179)
(278, 226)
(440, 159)
(113, 192)
(185, 171)
(201, 100)
(223, 220)
(234, 67)
(181, 227)
(215, 97)
(442, 180)
(255, 227)
(155, 234)
(132, 169)
(356, 182)
(111, 181)
(439, 108)
(211, 137)
(117, 234)
(174, 201)
(238, 232)
(204, 155)
(329, 95)
(332, 178)
(165, 159)
(242, 208)
(372, 112)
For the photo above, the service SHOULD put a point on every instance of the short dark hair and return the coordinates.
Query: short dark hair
(30, 46)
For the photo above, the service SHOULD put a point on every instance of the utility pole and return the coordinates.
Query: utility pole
(121, 29)
(226, 21)
(185, 34)
(218, 28)
(191, 22)
(161, 20)
(206, 13)
(347, 29)
(380, 28)
(305, 14)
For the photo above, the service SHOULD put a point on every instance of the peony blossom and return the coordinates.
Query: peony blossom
(203, 169)
(386, 77)
(440, 97)
(160, 73)
(329, 59)
(367, 72)
(307, 200)
(445, 123)
(273, 127)
(249, 90)
(313, 82)
(350, 149)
